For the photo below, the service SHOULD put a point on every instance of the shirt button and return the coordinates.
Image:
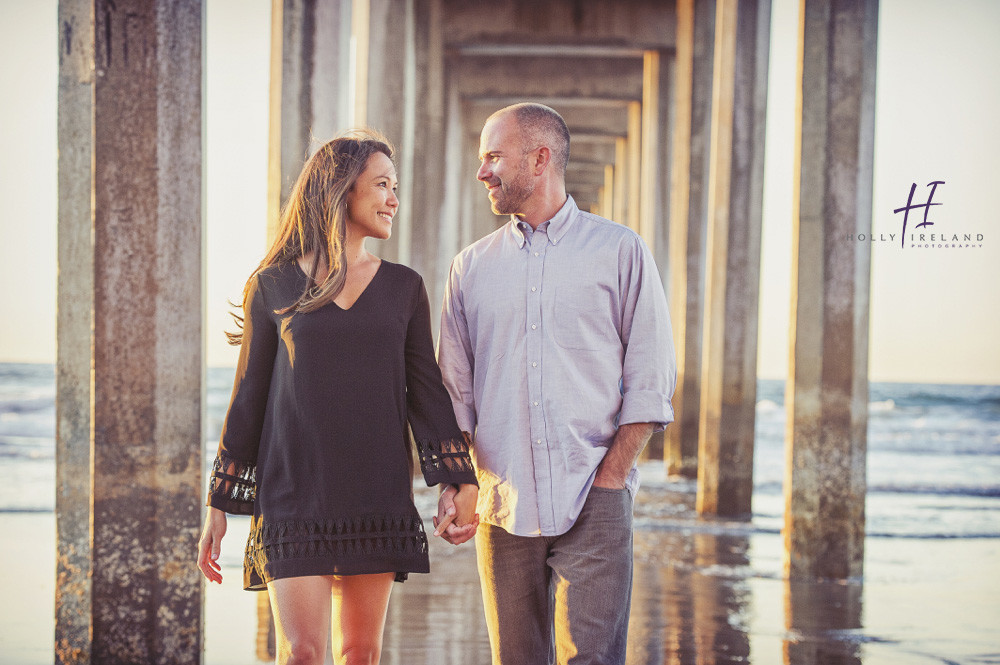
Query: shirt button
(533, 289)
(539, 442)
(534, 364)
(536, 403)
(536, 253)
(533, 326)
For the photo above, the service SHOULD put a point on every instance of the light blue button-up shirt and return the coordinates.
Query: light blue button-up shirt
(549, 340)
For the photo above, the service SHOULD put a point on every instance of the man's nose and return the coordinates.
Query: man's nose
(484, 172)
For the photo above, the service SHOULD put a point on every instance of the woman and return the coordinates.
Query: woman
(335, 359)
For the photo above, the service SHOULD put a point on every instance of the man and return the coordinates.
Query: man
(556, 349)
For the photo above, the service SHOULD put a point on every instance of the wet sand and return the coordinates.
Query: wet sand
(705, 592)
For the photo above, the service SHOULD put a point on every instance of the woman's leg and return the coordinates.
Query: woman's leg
(360, 603)
(301, 607)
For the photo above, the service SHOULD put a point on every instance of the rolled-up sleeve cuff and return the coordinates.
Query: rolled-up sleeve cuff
(646, 406)
(465, 416)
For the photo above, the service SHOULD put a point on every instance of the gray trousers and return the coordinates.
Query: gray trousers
(561, 599)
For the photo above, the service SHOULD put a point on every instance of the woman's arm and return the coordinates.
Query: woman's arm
(442, 446)
(233, 482)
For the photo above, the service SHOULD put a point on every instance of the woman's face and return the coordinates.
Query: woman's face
(372, 202)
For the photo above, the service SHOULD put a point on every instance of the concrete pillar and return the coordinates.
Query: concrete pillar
(688, 218)
(633, 178)
(310, 88)
(423, 176)
(477, 218)
(74, 332)
(137, 236)
(827, 391)
(609, 196)
(452, 223)
(735, 200)
(654, 154)
(654, 180)
(620, 170)
(384, 32)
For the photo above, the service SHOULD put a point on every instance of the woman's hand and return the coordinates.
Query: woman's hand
(210, 545)
(457, 520)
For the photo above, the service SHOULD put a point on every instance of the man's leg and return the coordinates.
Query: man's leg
(592, 577)
(515, 583)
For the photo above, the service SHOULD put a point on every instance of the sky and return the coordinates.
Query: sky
(935, 311)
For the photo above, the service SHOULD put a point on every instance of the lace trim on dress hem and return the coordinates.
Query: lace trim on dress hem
(360, 536)
(445, 455)
(233, 480)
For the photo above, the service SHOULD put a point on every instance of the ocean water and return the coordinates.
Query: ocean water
(705, 590)
(933, 452)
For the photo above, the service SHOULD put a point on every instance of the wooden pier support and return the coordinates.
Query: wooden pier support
(827, 392)
(130, 367)
(735, 204)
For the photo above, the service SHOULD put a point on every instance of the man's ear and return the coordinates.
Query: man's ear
(542, 159)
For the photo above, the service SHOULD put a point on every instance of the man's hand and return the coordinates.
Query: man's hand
(457, 521)
(622, 453)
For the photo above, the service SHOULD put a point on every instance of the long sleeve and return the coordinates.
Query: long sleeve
(649, 373)
(442, 446)
(455, 354)
(233, 481)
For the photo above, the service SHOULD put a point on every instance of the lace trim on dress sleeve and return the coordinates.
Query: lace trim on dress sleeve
(446, 457)
(233, 486)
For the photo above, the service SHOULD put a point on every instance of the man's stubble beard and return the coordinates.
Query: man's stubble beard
(514, 194)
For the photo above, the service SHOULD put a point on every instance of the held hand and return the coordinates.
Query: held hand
(465, 504)
(457, 521)
(210, 545)
(446, 509)
(456, 535)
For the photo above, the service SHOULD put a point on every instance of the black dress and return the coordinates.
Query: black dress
(315, 444)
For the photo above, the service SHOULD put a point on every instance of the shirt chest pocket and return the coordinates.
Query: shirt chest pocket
(584, 318)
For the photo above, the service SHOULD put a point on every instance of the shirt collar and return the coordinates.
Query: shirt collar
(558, 224)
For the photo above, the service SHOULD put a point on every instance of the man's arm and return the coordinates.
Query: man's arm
(622, 454)
(648, 371)
(456, 359)
(455, 356)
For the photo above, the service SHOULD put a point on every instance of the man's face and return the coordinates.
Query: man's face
(504, 166)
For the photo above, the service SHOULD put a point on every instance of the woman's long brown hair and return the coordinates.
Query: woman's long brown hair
(314, 219)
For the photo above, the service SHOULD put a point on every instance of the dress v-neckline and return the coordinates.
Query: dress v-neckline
(361, 295)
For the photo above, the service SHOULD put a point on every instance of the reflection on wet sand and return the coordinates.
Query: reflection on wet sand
(823, 619)
(438, 618)
(702, 595)
(689, 604)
